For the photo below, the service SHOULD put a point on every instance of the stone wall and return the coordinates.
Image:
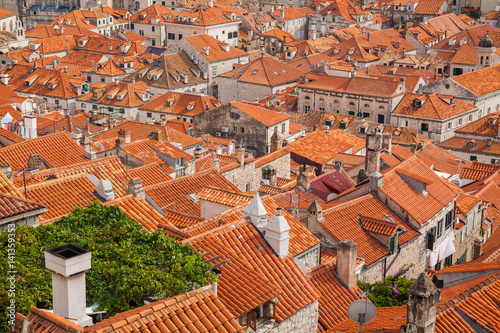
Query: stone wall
(311, 257)
(303, 321)
(243, 177)
(280, 164)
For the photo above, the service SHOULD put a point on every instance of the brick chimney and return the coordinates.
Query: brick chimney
(346, 263)
(277, 234)
(256, 211)
(68, 264)
(422, 306)
(135, 188)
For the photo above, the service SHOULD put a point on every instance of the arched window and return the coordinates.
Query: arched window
(352, 103)
(307, 98)
(321, 99)
(11, 26)
(4, 26)
(489, 110)
(121, 4)
(487, 61)
(367, 105)
(381, 107)
(498, 107)
(481, 60)
(137, 5)
(335, 102)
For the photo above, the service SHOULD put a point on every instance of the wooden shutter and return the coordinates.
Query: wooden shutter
(270, 310)
(252, 320)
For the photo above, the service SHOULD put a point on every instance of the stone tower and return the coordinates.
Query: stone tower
(485, 53)
(422, 305)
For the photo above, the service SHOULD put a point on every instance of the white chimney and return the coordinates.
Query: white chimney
(68, 264)
(105, 190)
(256, 211)
(30, 123)
(207, 50)
(277, 234)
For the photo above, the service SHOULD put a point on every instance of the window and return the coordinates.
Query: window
(457, 71)
(153, 42)
(351, 113)
(381, 118)
(235, 129)
(132, 26)
(149, 115)
(122, 111)
(449, 125)
(229, 35)
(56, 101)
(424, 127)
(242, 130)
(440, 70)
(431, 237)
(473, 158)
(89, 79)
(459, 121)
(440, 228)
(214, 71)
(283, 128)
(366, 114)
(362, 130)
(153, 28)
(342, 125)
(449, 218)
(94, 107)
(82, 105)
(180, 36)
(171, 36)
(438, 266)
(110, 109)
(448, 261)
(322, 109)
(102, 79)
(307, 108)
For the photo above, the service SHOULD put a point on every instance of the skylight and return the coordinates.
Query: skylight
(158, 63)
(275, 73)
(284, 71)
(254, 72)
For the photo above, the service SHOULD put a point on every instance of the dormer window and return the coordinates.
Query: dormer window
(328, 123)
(492, 121)
(417, 103)
(472, 143)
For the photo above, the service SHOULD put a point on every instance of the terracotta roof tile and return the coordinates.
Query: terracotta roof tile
(13, 205)
(155, 12)
(56, 150)
(480, 82)
(265, 71)
(342, 222)
(181, 104)
(181, 220)
(223, 196)
(139, 130)
(217, 50)
(179, 193)
(335, 298)
(429, 7)
(270, 275)
(266, 117)
(11, 136)
(150, 174)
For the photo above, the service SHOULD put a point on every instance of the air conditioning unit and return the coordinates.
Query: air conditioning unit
(225, 129)
(217, 134)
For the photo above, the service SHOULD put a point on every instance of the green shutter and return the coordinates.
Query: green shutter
(393, 243)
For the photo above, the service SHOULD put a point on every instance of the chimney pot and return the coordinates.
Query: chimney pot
(68, 264)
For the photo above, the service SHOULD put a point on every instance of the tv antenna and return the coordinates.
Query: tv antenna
(362, 311)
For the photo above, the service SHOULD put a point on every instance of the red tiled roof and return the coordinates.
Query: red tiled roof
(56, 150)
(177, 194)
(195, 311)
(224, 197)
(153, 12)
(266, 117)
(480, 82)
(434, 106)
(342, 222)
(429, 7)
(150, 174)
(217, 50)
(255, 274)
(181, 104)
(13, 205)
(265, 71)
(181, 220)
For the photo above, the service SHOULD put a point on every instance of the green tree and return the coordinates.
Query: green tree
(128, 263)
(393, 291)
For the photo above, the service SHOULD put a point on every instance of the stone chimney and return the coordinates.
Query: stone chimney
(376, 181)
(85, 142)
(256, 211)
(215, 163)
(422, 305)
(158, 135)
(387, 141)
(373, 150)
(35, 162)
(314, 214)
(277, 234)
(269, 173)
(346, 263)
(135, 188)
(275, 141)
(198, 152)
(124, 136)
(303, 180)
(68, 264)
(339, 166)
(240, 156)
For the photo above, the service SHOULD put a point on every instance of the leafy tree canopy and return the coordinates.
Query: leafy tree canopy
(393, 291)
(128, 263)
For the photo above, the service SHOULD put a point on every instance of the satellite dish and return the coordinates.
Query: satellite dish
(362, 311)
